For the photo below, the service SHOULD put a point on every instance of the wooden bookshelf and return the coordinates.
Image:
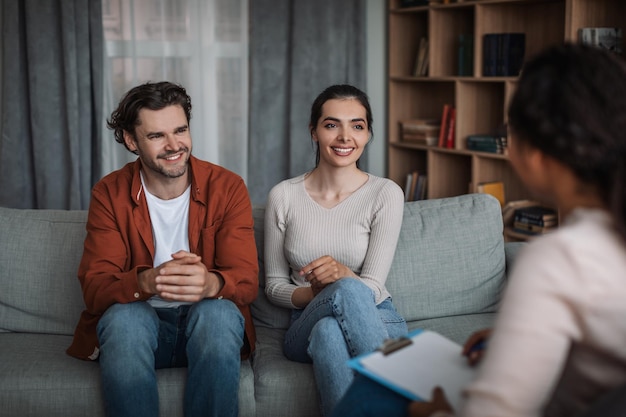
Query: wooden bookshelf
(480, 101)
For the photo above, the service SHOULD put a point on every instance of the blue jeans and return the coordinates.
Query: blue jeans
(136, 339)
(341, 322)
(367, 398)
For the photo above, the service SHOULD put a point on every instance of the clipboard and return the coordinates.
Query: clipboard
(413, 365)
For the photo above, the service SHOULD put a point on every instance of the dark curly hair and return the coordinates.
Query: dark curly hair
(570, 103)
(339, 91)
(152, 96)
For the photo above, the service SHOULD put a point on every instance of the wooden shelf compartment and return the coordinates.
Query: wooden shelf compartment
(479, 109)
(406, 160)
(449, 173)
(496, 167)
(446, 25)
(543, 22)
(405, 32)
(412, 99)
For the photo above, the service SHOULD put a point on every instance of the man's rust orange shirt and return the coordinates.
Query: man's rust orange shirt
(119, 244)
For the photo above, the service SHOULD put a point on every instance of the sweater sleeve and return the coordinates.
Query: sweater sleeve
(385, 229)
(278, 286)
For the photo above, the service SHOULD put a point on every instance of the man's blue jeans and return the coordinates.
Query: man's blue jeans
(136, 339)
(341, 322)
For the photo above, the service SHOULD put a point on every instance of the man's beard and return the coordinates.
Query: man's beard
(174, 172)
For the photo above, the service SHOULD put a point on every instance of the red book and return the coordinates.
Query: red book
(444, 124)
(450, 131)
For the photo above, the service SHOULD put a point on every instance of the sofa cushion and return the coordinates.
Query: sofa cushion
(282, 388)
(39, 252)
(456, 328)
(264, 313)
(449, 259)
(45, 381)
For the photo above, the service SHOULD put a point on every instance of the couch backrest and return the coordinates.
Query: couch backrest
(450, 257)
(39, 255)
(449, 260)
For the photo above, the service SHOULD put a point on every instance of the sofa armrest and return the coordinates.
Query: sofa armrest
(511, 249)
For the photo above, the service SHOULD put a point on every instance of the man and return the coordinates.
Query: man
(169, 266)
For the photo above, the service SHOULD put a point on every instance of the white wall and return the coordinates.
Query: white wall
(376, 84)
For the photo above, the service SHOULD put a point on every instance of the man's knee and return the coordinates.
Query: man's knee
(131, 320)
(216, 316)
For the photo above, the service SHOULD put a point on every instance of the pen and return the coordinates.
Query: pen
(481, 345)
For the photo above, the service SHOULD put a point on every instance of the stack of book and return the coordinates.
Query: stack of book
(487, 143)
(535, 220)
(421, 131)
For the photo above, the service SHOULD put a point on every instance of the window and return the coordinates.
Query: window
(200, 44)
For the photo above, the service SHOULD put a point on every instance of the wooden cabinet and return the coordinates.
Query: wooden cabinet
(480, 101)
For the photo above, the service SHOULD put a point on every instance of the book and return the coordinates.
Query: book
(420, 192)
(486, 143)
(422, 131)
(495, 188)
(512, 47)
(532, 229)
(422, 53)
(451, 128)
(413, 3)
(503, 53)
(465, 57)
(490, 54)
(443, 129)
(412, 366)
(508, 212)
(408, 186)
(414, 177)
(535, 213)
(602, 37)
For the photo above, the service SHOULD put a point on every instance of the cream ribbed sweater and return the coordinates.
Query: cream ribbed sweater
(361, 232)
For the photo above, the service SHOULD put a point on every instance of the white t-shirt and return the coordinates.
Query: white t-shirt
(170, 231)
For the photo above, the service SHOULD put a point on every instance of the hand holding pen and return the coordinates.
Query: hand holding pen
(475, 345)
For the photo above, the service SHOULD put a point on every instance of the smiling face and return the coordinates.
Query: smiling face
(341, 132)
(163, 143)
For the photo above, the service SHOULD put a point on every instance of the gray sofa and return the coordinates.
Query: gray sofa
(447, 275)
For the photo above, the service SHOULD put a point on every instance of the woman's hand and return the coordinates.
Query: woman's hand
(324, 271)
(474, 347)
(439, 402)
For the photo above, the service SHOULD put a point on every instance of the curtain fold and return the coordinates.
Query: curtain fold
(51, 89)
(297, 48)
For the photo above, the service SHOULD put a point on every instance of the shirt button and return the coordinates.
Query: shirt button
(136, 295)
(220, 297)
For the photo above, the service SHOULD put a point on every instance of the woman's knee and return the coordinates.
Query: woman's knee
(353, 288)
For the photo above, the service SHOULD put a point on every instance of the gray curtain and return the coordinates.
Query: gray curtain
(51, 95)
(297, 48)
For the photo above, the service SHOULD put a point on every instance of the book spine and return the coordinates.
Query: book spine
(444, 125)
(451, 128)
(490, 54)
